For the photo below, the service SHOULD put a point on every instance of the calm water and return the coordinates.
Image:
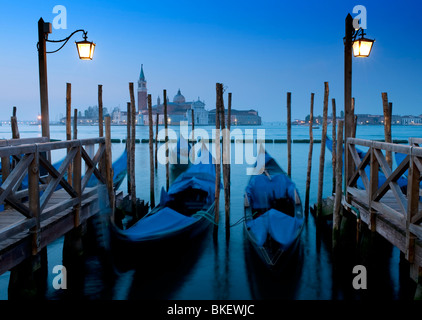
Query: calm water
(225, 269)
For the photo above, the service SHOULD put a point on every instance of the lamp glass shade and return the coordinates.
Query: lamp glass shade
(362, 47)
(85, 49)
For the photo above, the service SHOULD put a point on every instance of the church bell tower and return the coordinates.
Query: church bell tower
(142, 92)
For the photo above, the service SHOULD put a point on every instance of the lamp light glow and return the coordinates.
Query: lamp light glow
(85, 49)
(362, 47)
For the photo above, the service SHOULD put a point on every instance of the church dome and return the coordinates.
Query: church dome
(179, 98)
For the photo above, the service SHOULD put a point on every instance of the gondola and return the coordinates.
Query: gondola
(273, 213)
(184, 212)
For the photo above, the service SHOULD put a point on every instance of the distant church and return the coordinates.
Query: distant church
(177, 111)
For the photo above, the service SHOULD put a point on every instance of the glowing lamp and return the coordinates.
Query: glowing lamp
(362, 47)
(85, 49)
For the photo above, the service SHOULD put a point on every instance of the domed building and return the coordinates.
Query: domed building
(179, 98)
(177, 111)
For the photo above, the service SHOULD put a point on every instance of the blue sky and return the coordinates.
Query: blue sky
(258, 49)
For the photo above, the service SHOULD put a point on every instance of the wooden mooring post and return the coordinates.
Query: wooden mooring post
(338, 186)
(193, 134)
(14, 124)
(151, 154)
(219, 93)
(69, 125)
(166, 140)
(229, 120)
(289, 134)
(128, 148)
(311, 145)
(226, 165)
(108, 164)
(334, 147)
(132, 147)
(387, 110)
(322, 155)
(75, 124)
(156, 140)
(100, 110)
(100, 125)
(193, 124)
(227, 190)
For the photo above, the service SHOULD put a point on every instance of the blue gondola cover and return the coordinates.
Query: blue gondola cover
(281, 227)
(165, 221)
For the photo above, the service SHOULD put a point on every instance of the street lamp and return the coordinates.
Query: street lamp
(85, 48)
(85, 52)
(361, 47)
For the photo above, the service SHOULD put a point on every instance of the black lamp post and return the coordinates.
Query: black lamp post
(360, 47)
(85, 51)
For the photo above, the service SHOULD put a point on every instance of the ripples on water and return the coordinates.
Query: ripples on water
(228, 269)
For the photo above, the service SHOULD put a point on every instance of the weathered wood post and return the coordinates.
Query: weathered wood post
(387, 125)
(217, 156)
(322, 155)
(42, 66)
(311, 146)
(373, 187)
(355, 119)
(75, 124)
(34, 200)
(229, 111)
(228, 146)
(226, 165)
(77, 170)
(28, 279)
(108, 164)
(166, 140)
(156, 140)
(193, 124)
(68, 111)
(100, 127)
(289, 134)
(73, 248)
(414, 174)
(14, 124)
(348, 112)
(151, 154)
(100, 110)
(132, 147)
(193, 132)
(69, 125)
(334, 152)
(128, 148)
(229, 119)
(338, 186)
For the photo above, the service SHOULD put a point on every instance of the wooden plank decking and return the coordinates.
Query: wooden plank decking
(18, 246)
(393, 211)
(36, 213)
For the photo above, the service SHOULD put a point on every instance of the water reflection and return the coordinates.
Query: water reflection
(229, 270)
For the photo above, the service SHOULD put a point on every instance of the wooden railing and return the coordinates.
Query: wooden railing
(29, 180)
(403, 205)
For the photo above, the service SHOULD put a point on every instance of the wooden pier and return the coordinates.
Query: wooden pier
(386, 208)
(40, 204)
